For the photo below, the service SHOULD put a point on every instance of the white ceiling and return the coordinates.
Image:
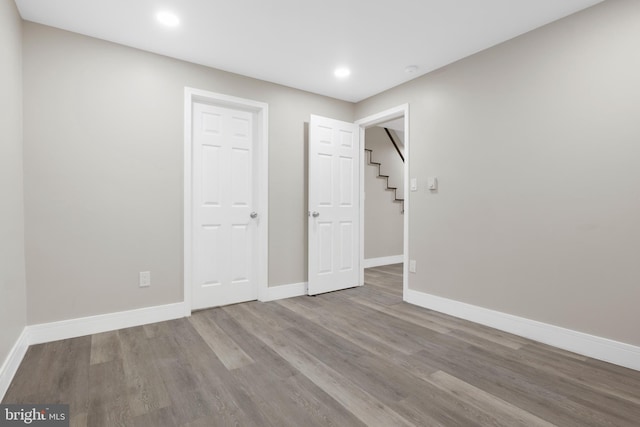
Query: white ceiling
(299, 43)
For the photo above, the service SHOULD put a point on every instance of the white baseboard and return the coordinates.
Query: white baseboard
(53, 331)
(615, 352)
(12, 362)
(285, 291)
(385, 260)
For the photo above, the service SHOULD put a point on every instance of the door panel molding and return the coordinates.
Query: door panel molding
(260, 110)
(334, 205)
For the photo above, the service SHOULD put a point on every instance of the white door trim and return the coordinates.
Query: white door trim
(392, 113)
(261, 111)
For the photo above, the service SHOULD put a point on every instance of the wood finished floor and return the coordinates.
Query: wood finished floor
(349, 358)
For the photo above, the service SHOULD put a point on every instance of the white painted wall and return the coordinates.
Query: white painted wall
(103, 172)
(536, 146)
(12, 269)
(383, 219)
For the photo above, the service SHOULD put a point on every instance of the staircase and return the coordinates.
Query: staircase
(385, 177)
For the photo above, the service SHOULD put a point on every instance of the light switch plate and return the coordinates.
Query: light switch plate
(414, 184)
(432, 183)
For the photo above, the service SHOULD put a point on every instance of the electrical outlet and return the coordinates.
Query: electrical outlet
(412, 266)
(145, 279)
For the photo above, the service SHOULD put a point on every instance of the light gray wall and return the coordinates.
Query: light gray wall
(12, 271)
(536, 144)
(383, 219)
(104, 172)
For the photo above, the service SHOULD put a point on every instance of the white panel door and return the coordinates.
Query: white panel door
(334, 205)
(224, 224)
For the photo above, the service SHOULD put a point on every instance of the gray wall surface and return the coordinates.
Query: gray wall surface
(536, 144)
(12, 269)
(383, 219)
(104, 172)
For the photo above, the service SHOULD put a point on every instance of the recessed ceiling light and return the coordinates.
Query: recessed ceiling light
(167, 18)
(411, 69)
(342, 72)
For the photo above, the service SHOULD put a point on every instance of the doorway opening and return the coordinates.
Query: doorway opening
(384, 193)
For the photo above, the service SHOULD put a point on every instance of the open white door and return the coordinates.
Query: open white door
(334, 205)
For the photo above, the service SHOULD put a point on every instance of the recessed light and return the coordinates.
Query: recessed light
(167, 18)
(342, 72)
(411, 69)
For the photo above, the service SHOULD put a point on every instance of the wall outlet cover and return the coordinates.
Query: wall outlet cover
(144, 279)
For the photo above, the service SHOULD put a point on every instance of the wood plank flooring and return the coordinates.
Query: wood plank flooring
(349, 358)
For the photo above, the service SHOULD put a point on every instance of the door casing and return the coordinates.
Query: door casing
(261, 112)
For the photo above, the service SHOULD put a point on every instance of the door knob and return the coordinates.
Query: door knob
(315, 214)
(253, 215)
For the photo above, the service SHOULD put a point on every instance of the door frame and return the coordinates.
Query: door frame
(367, 122)
(260, 110)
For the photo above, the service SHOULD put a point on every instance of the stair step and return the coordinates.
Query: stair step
(372, 163)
